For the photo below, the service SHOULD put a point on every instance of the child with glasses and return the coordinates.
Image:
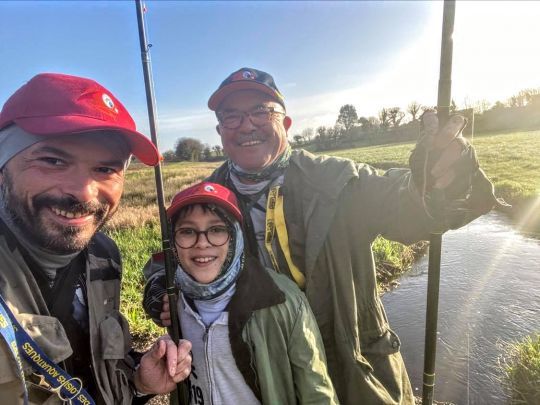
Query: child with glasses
(254, 338)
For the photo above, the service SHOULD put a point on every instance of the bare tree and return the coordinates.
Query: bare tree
(395, 115)
(481, 105)
(218, 150)
(414, 109)
(384, 118)
(321, 139)
(207, 152)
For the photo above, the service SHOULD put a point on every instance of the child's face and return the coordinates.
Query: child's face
(202, 261)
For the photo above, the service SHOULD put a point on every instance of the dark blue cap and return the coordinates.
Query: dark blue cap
(245, 79)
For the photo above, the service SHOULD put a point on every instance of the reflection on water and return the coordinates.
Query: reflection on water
(489, 296)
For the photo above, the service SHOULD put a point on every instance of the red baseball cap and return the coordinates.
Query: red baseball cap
(58, 104)
(206, 192)
(245, 79)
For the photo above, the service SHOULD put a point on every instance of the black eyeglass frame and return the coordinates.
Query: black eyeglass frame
(198, 233)
(268, 112)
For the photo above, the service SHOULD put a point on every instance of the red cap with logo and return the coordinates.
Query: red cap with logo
(206, 192)
(58, 104)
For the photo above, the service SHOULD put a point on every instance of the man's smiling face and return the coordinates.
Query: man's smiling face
(61, 191)
(249, 146)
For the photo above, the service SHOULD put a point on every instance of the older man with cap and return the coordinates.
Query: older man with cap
(315, 219)
(65, 143)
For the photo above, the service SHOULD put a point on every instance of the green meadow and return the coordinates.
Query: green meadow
(510, 160)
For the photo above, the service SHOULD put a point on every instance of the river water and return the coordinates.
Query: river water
(489, 296)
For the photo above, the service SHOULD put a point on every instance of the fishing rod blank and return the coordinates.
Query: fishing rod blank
(180, 394)
(435, 239)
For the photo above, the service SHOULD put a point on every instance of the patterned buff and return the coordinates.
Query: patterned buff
(231, 269)
(277, 166)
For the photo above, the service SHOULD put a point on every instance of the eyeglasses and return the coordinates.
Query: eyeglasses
(186, 238)
(259, 116)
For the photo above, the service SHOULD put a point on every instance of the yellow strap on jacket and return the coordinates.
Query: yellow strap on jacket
(275, 222)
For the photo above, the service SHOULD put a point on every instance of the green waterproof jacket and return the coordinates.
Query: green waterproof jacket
(334, 210)
(277, 332)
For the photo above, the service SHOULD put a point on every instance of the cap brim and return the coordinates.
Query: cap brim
(141, 147)
(220, 94)
(229, 207)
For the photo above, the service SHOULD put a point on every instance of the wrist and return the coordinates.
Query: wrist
(137, 386)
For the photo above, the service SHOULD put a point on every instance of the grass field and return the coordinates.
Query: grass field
(510, 160)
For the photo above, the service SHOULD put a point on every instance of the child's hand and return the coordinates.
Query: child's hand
(165, 314)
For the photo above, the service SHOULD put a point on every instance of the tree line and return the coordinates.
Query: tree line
(520, 111)
(193, 150)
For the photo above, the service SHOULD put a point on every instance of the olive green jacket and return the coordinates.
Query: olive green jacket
(334, 209)
(109, 332)
(282, 337)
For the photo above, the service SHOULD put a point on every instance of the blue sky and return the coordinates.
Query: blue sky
(322, 54)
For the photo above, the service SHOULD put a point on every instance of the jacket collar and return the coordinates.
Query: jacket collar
(255, 290)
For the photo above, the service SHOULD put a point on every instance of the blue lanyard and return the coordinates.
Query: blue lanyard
(69, 389)
(8, 333)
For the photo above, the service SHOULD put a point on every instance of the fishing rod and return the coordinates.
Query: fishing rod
(178, 396)
(435, 239)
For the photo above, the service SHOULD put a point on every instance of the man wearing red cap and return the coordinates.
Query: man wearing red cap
(65, 143)
(315, 218)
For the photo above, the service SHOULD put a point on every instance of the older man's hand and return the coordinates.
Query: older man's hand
(443, 158)
(163, 366)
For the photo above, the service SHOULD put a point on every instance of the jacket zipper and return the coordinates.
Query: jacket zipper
(208, 374)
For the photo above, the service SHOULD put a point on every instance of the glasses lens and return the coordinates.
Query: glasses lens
(231, 120)
(217, 235)
(185, 237)
(261, 116)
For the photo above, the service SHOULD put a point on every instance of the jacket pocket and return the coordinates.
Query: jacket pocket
(115, 343)
(114, 336)
(49, 335)
(376, 349)
(384, 345)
